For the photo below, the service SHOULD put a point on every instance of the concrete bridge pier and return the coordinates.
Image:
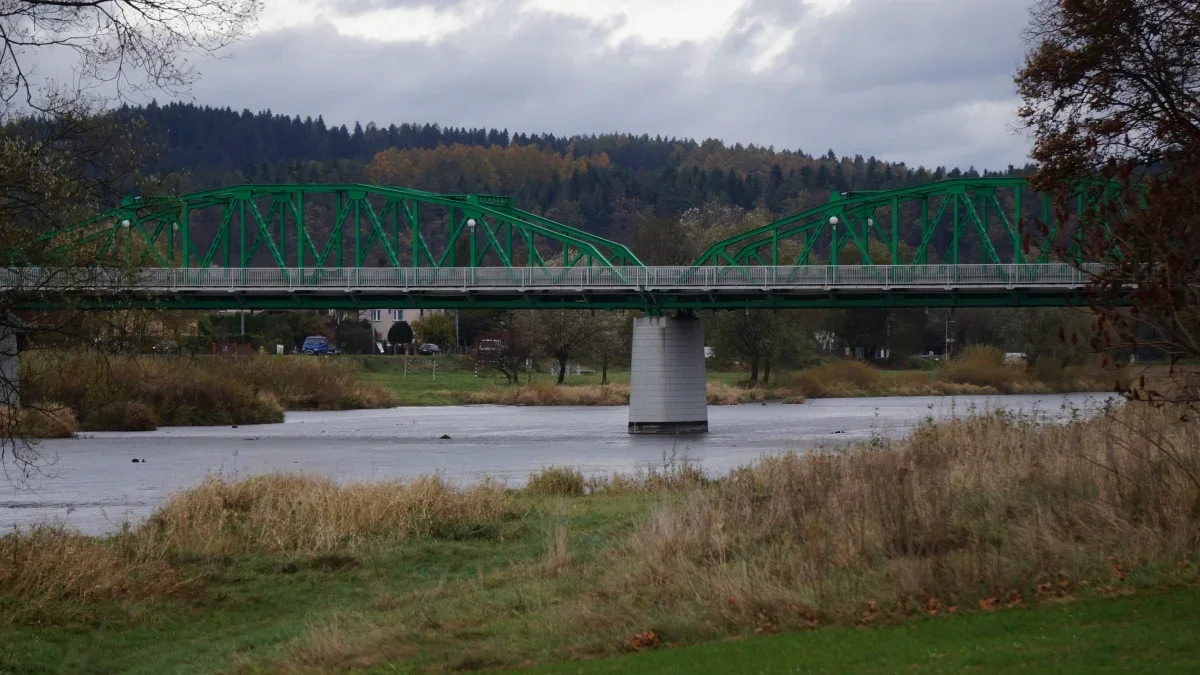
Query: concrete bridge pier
(666, 380)
(10, 393)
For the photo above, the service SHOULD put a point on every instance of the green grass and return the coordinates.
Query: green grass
(418, 387)
(1152, 632)
(251, 610)
(446, 604)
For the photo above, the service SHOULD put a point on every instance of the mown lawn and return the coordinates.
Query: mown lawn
(1151, 632)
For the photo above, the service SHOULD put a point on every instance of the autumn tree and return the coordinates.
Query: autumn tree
(1110, 92)
(562, 334)
(437, 329)
(762, 338)
(612, 339)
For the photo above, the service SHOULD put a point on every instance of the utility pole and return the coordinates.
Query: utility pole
(946, 351)
(457, 342)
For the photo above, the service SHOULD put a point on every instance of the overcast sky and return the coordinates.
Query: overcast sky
(922, 81)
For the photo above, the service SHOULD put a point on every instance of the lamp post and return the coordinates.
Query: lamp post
(833, 255)
(867, 239)
(471, 236)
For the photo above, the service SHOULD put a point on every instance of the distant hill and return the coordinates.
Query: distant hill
(604, 183)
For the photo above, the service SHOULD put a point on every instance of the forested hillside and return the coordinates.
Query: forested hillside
(609, 184)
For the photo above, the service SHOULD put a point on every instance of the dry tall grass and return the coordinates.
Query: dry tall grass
(978, 510)
(50, 565)
(44, 420)
(977, 371)
(286, 514)
(984, 366)
(556, 480)
(292, 513)
(142, 392)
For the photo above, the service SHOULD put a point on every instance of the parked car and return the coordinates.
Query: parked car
(166, 347)
(316, 345)
(428, 349)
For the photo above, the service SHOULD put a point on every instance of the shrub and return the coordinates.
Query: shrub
(555, 480)
(983, 366)
(839, 378)
(137, 393)
(138, 416)
(41, 420)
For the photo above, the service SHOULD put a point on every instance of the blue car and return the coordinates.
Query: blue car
(317, 345)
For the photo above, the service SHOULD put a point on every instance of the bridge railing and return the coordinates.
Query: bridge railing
(550, 278)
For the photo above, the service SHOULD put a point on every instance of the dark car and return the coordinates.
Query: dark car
(428, 349)
(166, 347)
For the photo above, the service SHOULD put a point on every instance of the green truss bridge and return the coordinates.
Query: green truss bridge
(952, 243)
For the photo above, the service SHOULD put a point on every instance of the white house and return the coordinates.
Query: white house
(382, 319)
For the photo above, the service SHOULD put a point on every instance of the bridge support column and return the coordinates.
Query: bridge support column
(666, 381)
(10, 394)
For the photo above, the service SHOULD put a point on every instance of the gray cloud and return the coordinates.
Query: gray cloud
(923, 81)
(354, 7)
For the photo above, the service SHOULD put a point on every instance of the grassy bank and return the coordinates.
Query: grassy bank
(296, 574)
(456, 382)
(136, 393)
(977, 371)
(1151, 632)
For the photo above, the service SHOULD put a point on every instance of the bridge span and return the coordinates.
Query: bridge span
(650, 289)
(953, 243)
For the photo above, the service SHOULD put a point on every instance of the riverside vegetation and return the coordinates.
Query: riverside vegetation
(978, 370)
(72, 390)
(291, 573)
(138, 393)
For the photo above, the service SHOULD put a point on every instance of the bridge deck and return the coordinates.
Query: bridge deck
(578, 287)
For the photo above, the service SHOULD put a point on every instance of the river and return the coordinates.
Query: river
(93, 484)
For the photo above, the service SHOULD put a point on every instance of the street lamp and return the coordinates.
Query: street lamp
(471, 235)
(833, 256)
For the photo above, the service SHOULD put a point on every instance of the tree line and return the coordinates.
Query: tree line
(608, 184)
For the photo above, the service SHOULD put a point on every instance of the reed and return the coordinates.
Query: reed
(135, 393)
(964, 512)
(42, 420)
(296, 513)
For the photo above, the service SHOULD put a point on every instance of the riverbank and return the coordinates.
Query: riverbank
(140, 393)
(290, 573)
(978, 372)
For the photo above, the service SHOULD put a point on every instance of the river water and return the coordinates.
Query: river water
(92, 483)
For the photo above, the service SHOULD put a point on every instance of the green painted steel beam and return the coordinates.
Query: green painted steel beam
(981, 220)
(355, 226)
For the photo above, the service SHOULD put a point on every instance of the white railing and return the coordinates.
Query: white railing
(636, 279)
